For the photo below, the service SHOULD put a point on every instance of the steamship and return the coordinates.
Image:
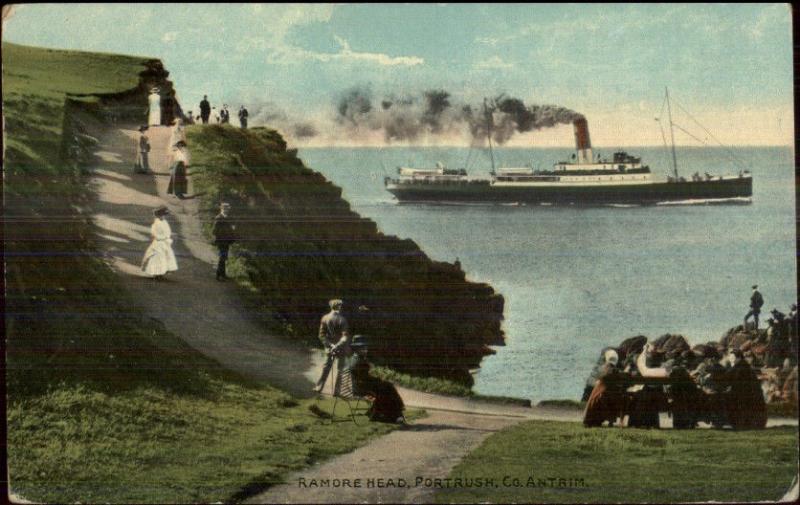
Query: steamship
(586, 179)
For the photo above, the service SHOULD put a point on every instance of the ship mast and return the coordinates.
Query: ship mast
(489, 133)
(672, 136)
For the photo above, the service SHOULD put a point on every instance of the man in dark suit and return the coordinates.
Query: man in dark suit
(243, 115)
(756, 302)
(224, 236)
(334, 334)
(205, 109)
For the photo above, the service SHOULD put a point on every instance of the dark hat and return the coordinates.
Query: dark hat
(755, 286)
(143, 128)
(161, 211)
(180, 143)
(359, 342)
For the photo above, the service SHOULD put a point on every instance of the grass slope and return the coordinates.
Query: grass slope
(571, 464)
(104, 405)
(301, 245)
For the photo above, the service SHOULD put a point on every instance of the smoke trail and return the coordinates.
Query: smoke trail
(354, 106)
(433, 114)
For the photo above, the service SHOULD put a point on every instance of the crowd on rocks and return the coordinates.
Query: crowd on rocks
(725, 382)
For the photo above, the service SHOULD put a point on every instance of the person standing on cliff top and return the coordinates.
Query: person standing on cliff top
(756, 302)
(334, 334)
(224, 236)
(243, 114)
(205, 109)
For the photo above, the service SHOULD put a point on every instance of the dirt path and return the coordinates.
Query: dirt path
(211, 316)
(217, 320)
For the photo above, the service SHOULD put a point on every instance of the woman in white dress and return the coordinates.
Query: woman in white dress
(154, 100)
(159, 257)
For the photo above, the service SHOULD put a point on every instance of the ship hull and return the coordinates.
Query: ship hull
(645, 193)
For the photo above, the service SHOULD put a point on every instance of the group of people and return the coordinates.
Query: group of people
(224, 116)
(159, 258)
(722, 383)
(639, 379)
(178, 154)
(350, 356)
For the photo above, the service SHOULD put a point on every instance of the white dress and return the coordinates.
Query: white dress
(154, 117)
(159, 258)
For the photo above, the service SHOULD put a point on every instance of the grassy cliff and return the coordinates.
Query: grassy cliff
(105, 405)
(301, 245)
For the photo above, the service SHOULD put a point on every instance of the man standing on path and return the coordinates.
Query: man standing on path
(224, 236)
(243, 114)
(756, 302)
(142, 165)
(205, 109)
(334, 334)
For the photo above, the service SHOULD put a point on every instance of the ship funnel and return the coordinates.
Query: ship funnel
(582, 143)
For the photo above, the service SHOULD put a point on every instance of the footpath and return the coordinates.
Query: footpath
(220, 321)
(217, 319)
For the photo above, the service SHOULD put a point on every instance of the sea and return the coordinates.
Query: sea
(576, 279)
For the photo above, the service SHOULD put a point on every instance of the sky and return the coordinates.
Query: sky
(729, 66)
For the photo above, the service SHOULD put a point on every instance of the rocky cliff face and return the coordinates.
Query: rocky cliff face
(302, 245)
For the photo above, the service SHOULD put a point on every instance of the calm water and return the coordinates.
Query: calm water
(577, 279)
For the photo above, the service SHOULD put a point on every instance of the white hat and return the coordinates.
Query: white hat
(611, 356)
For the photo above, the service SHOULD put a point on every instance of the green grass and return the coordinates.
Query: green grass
(421, 383)
(442, 386)
(626, 465)
(302, 245)
(148, 445)
(36, 82)
(562, 403)
(105, 405)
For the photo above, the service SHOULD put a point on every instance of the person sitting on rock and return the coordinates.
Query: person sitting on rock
(743, 398)
(607, 400)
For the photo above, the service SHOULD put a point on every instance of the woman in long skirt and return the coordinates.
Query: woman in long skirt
(154, 113)
(159, 257)
(178, 183)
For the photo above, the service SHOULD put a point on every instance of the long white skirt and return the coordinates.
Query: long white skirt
(159, 258)
(154, 115)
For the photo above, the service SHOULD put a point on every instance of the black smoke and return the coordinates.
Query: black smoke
(433, 113)
(354, 106)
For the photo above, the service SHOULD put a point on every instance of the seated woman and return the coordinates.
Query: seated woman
(387, 406)
(743, 399)
(607, 400)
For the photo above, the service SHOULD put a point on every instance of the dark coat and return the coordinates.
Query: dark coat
(178, 183)
(756, 301)
(205, 108)
(744, 401)
(607, 401)
(224, 231)
(387, 405)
